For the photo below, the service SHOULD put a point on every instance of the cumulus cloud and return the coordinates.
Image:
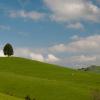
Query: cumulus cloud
(58, 48)
(33, 15)
(75, 26)
(79, 51)
(28, 53)
(38, 57)
(1, 54)
(90, 43)
(73, 10)
(83, 58)
(51, 58)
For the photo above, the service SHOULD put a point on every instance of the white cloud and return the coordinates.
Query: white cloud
(90, 43)
(79, 51)
(58, 48)
(1, 54)
(83, 58)
(75, 26)
(38, 57)
(33, 15)
(73, 10)
(28, 53)
(22, 52)
(51, 58)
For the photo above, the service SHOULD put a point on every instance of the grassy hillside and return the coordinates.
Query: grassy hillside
(7, 97)
(21, 77)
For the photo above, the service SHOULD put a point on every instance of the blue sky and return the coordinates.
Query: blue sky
(55, 31)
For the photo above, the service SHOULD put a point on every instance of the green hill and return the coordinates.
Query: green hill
(21, 77)
(7, 97)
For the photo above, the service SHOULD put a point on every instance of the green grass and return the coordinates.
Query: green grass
(21, 77)
(7, 97)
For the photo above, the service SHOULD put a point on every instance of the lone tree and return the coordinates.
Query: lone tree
(8, 50)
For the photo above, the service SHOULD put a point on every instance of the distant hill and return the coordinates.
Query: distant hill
(20, 77)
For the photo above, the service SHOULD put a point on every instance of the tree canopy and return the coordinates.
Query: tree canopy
(8, 50)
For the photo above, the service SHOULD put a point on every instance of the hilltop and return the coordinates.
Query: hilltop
(20, 77)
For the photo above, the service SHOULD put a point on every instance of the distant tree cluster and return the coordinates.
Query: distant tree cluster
(8, 50)
(89, 68)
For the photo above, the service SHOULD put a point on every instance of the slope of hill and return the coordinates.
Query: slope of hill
(7, 97)
(21, 77)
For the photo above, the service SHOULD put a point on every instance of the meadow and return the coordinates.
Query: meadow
(21, 77)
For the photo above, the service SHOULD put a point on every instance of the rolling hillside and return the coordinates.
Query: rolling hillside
(21, 77)
(7, 97)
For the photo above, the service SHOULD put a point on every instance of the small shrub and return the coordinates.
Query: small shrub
(27, 98)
